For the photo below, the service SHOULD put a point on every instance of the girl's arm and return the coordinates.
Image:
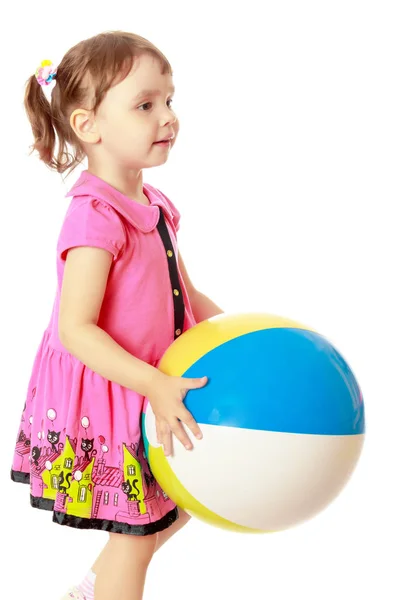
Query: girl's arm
(84, 284)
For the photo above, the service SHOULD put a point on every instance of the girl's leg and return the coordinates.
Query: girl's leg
(165, 535)
(107, 555)
(122, 575)
(162, 537)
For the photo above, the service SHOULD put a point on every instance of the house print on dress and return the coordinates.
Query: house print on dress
(85, 486)
(75, 484)
(125, 495)
(22, 457)
(45, 460)
(22, 451)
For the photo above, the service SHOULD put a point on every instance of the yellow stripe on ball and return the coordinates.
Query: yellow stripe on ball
(210, 334)
(167, 479)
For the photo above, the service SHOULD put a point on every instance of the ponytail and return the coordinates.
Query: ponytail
(39, 114)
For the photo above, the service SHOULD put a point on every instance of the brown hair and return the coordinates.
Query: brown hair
(90, 68)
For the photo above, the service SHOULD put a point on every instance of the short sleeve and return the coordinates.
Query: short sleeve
(91, 222)
(176, 216)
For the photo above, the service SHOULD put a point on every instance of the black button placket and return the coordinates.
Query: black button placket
(179, 304)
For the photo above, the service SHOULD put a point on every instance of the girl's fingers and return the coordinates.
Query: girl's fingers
(186, 417)
(179, 432)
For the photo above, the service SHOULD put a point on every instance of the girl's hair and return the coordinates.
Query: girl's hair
(88, 70)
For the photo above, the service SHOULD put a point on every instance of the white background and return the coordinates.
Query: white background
(286, 173)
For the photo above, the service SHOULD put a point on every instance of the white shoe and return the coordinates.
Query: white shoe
(74, 594)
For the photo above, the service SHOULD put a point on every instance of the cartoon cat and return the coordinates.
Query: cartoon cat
(149, 479)
(87, 446)
(36, 452)
(127, 488)
(61, 480)
(53, 438)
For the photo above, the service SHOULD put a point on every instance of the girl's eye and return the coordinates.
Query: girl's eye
(149, 104)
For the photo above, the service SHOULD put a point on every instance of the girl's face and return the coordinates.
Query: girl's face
(135, 114)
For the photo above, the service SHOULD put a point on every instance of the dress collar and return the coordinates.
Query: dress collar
(144, 218)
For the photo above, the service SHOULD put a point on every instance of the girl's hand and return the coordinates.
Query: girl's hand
(166, 399)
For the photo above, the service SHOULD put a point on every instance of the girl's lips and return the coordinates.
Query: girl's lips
(167, 139)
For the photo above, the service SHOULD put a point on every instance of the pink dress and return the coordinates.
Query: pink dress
(79, 444)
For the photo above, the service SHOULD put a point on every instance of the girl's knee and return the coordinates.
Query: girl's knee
(142, 545)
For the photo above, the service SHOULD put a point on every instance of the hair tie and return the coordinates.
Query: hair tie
(46, 72)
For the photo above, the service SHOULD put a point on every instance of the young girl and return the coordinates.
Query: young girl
(123, 296)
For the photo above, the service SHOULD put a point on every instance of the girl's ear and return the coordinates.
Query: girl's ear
(84, 124)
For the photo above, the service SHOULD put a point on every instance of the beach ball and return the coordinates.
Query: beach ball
(282, 418)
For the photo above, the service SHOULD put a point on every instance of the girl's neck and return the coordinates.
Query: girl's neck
(129, 183)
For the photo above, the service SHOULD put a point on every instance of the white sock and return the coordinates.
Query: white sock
(87, 586)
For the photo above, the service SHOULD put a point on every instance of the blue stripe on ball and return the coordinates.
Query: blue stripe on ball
(280, 379)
